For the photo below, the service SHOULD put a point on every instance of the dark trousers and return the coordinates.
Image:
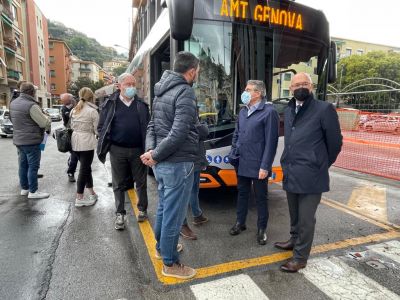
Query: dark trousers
(72, 163)
(261, 195)
(127, 169)
(85, 178)
(302, 209)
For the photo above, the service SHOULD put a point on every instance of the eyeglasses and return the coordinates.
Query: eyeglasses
(301, 85)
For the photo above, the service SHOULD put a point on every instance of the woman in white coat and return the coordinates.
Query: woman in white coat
(84, 120)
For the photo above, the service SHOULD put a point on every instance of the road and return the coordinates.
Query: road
(51, 250)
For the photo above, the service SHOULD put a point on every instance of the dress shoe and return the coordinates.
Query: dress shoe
(261, 237)
(288, 245)
(187, 233)
(237, 228)
(293, 266)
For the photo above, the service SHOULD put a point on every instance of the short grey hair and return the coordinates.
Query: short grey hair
(259, 86)
(68, 96)
(28, 88)
(123, 76)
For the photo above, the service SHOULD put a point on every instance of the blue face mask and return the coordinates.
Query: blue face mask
(246, 97)
(130, 92)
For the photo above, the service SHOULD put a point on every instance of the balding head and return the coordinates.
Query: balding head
(299, 82)
(66, 99)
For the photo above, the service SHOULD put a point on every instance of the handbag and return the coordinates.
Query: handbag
(63, 138)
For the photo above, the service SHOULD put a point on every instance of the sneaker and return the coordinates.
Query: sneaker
(71, 178)
(142, 216)
(24, 192)
(38, 195)
(187, 233)
(200, 220)
(93, 197)
(84, 202)
(178, 270)
(120, 222)
(179, 248)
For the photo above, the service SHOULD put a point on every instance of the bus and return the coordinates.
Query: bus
(235, 40)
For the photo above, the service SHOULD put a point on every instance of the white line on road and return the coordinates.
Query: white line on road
(339, 281)
(389, 249)
(240, 287)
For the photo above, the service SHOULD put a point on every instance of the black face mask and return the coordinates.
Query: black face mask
(301, 94)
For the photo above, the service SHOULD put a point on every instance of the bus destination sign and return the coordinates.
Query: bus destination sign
(241, 9)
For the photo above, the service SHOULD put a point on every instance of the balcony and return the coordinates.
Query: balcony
(9, 42)
(7, 14)
(13, 74)
(85, 70)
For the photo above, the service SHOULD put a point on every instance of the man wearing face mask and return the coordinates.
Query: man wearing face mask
(122, 132)
(312, 143)
(253, 150)
(172, 145)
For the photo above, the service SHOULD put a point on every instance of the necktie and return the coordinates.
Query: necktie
(297, 108)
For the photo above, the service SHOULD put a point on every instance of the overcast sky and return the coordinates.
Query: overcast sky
(109, 21)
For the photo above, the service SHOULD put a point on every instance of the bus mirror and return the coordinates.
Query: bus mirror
(332, 69)
(181, 18)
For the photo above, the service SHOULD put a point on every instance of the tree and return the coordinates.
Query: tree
(75, 86)
(119, 70)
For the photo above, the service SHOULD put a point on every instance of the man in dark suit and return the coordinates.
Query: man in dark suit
(254, 146)
(312, 143)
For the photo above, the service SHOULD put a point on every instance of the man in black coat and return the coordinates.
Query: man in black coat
(313, 141)
(68, 104)
(122, 132)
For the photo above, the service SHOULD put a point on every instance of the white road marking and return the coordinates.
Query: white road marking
(240, 287)
(339, 281)
(389, 249)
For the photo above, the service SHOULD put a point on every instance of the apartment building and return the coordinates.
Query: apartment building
(87, 69)
(60, 67)
(38, 52)
(13, 47)
(109, 66)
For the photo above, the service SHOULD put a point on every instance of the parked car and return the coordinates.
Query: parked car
(385, 123)
(6, 127)
(53, 113)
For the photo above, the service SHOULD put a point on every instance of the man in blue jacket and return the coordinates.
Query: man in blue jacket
(312, 143)
(172, 145)
(254, 146)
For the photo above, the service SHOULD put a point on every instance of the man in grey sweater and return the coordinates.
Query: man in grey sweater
(29, 126)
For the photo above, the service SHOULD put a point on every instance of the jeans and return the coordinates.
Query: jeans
(261, 195)
(72, 163)
(85, 178)
(127, 169)
(194, 196)
(29, 163)
(175, 181)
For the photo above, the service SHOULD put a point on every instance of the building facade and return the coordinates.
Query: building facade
(86, 69)
(60, 67)
(38, 52)
(109, 66)
(13, 48)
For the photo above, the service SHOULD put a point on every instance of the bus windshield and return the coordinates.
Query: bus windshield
(232, 53)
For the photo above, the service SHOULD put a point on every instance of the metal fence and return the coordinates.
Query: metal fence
(369, 115)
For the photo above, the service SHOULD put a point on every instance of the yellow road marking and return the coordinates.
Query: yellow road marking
(148, 236)
(370, 200)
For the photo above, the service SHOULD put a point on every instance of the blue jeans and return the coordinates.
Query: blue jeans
(29, 163)
(194, 196)
(174, 183)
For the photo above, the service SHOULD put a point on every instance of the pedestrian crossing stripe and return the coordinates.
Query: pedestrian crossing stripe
(332, 276)
(239, 287)
(209, 271)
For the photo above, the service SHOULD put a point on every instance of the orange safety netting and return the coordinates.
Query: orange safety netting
(371, 142)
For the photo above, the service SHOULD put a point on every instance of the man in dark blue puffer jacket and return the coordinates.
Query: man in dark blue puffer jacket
(172, 147)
